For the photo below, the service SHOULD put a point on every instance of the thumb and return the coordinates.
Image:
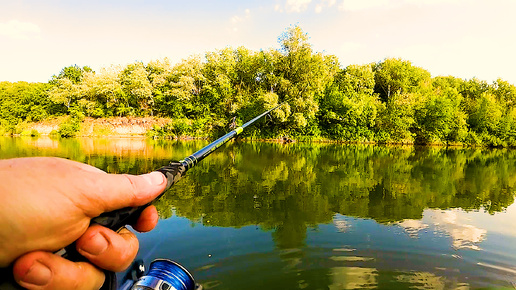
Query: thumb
(115, 191)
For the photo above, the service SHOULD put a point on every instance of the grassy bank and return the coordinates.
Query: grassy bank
(182, 128)
(167, 128)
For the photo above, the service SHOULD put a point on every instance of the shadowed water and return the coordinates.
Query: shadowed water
(320, 216)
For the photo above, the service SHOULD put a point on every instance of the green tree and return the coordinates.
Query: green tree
(22, 101)
(505, 92)
(74, 73)
(403, 88)
(105, 90)
(447, 90)
(177, 88)
(436, 120)
(396, 119)
(137, 89)
(67, 88)
(66, 92)
(348, 109)
(485, 114)
(397, 76)
(302, 77)
(220, 92)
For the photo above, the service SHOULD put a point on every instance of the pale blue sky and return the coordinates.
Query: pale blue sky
(463, 38)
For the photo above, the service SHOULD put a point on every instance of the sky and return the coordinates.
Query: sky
(462, 38)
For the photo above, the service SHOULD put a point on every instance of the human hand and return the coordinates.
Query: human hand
(47, 204)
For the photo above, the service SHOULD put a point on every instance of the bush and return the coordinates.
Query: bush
(69, 128)
(382, 137)
(53, 134)
(175, 129)
(473, 139)
(32, 133)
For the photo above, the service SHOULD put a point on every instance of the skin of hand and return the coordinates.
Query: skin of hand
(47, 203)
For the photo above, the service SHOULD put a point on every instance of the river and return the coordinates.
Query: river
(321, 216)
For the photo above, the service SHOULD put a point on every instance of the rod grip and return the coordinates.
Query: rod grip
(174, 171)
(117, 219)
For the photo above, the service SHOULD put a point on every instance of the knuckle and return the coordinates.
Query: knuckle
(128, 253)
(133, 188)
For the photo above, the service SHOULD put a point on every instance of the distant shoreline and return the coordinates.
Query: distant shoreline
(101, 127)
(139, 127)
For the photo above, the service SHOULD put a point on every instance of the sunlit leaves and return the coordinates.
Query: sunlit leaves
(74, 73)
(397, 76)
(486, 114)
(349, 108)
(270, 100)
(440, 118)
(65, 92)
(24, 101)
(282, 113)
(303, 75)
(137, 87)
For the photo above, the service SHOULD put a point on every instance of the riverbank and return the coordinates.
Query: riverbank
(116, 127)
(123, 127)
(94, 127)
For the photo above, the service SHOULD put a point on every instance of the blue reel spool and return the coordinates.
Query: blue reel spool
(166, 275)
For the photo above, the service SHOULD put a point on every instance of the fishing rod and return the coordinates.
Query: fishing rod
(174, 171)
(118, 219)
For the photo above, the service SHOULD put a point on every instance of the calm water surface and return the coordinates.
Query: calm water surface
(316, 216)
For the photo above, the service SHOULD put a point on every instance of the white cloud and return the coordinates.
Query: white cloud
(431, 2)
(323, 4)
(19, 30)
(484, 57)
(297, 5)
(356, 5)
(237, 20)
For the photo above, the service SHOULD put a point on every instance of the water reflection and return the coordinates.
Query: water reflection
(463, 235)
(413, 227)
(289, 189)
(421, 280)
(319, 216)
(353, 278)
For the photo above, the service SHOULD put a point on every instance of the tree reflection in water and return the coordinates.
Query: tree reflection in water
(340, 216)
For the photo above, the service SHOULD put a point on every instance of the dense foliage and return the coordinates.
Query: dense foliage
(388, 101)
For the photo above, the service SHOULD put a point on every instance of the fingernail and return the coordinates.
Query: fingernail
(154, 178)
(96, 245)
(38, 275)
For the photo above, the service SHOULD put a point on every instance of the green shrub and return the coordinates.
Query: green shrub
(175, 129)
(473, 139)
(32, 133)
(69, 128)
(53, 134)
